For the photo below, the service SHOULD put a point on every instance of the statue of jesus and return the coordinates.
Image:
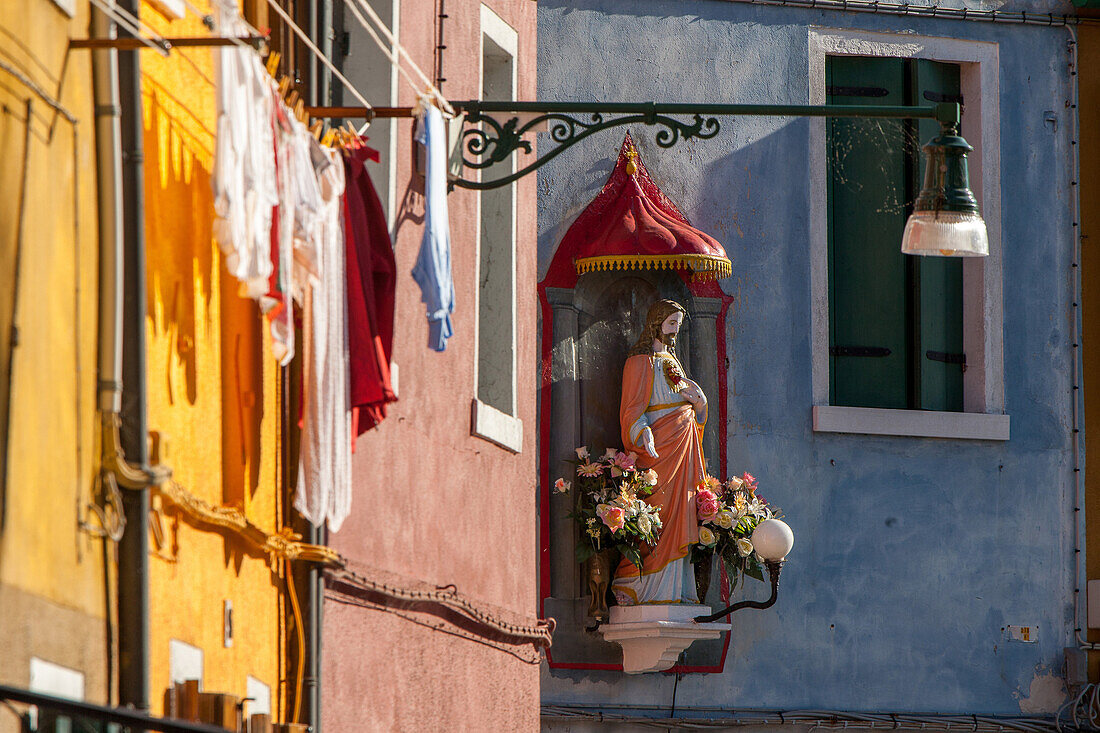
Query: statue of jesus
(662, 415)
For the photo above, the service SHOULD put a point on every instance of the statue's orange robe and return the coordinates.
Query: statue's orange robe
(679, 467)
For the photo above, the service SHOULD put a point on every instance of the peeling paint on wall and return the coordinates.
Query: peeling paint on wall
(1045, 695)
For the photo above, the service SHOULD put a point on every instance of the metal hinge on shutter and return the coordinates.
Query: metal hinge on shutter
(943, 356)
(842, 91)
(874, 351)
(939, 98)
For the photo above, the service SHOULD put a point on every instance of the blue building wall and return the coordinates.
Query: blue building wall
(911, 554)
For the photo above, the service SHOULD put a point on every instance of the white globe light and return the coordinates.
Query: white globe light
(773, 539)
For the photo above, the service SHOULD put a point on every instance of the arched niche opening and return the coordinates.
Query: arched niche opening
(589, 322)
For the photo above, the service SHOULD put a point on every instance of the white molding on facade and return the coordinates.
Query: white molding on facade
(502, 34)
(914, 423)
(506, 38)
(53, 679)
(68, 7)
(983, 305)
(185, 662)
(491, 424)
(391, 168)
(173, 9)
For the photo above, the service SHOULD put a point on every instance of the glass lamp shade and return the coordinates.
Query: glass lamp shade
(945, 233)
(945, 220)
(773, 539)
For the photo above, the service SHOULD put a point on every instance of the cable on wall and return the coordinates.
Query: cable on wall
(457, 614)
(931, 11)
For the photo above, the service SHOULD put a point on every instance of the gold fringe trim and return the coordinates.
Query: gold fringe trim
(284, 544)
(705, 267)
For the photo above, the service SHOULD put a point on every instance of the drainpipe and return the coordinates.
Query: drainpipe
(320, 19)
(116, 309)
(319, 80)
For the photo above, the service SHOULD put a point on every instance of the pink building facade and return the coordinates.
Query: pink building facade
(434, 623)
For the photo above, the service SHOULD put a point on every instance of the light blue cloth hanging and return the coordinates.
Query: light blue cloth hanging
(433, 265)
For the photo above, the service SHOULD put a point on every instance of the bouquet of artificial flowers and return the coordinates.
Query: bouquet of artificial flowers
(609, 507)
(728, 513)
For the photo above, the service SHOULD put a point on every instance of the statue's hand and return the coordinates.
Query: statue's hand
(647, 443)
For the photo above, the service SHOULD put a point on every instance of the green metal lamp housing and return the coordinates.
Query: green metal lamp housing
(945, 220)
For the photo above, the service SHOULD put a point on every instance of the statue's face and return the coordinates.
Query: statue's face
(670, 327)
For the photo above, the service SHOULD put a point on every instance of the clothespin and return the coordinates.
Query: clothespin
(272, 63)
(316, 128)
(284, 84)
(300, 112)
(329, 137)
(291, 98)
(353, 136)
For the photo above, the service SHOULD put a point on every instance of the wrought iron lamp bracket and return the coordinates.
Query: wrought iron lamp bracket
(489, 140)
(494, 141)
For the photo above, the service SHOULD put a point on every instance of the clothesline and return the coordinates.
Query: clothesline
(400, 52)
(304, 37)
(133, 25)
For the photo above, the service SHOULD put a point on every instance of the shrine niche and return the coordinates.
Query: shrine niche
(630, 248)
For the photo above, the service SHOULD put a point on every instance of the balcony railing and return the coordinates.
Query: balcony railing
(46, 713)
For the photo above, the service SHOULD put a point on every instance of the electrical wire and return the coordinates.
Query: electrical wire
(301, 633)
(1076, 391)
(539, 634)
(712, 718)
(317, 52)
(1020, 17)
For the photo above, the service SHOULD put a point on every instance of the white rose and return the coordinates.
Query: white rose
(650, 477)
(725, 519)
(706, 537)
(645, 524)
(744, 547)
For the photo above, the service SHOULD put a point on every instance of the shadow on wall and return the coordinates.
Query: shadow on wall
(182, 264)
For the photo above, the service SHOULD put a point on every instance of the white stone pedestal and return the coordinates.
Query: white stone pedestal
(652, 636)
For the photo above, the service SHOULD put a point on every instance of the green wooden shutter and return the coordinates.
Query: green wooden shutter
(867, 180)
(895, 321)
(940, 354)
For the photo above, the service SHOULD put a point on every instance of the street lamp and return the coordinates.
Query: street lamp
(945, 219)
(773, 539)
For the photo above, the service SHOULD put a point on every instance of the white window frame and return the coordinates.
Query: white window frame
(983, 307)
(488, 422)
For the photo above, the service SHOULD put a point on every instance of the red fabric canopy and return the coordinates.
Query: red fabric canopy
(631, 224)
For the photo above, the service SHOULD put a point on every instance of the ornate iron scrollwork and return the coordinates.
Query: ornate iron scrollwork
(494, 142)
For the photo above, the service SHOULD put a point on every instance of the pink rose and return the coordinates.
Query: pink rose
(625, 461)
(706, 504)
(614, 517)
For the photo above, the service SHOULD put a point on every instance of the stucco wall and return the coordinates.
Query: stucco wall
(433, 503)
(911, 554)
(51, 573)
(212, 392)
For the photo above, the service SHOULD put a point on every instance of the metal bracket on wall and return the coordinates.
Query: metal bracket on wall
(493, 136)
(495, 141)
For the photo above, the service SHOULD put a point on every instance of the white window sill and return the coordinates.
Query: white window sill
(491, 424)
(915, 423)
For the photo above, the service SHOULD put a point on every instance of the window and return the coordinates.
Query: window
(893, 333)
(494, 408)
(895, 321)
(372, 73)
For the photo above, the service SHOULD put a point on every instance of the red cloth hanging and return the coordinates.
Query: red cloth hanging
(371, 277)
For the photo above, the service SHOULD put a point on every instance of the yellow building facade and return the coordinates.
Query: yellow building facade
(213, 406)
(218, 577)
(54, 600)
